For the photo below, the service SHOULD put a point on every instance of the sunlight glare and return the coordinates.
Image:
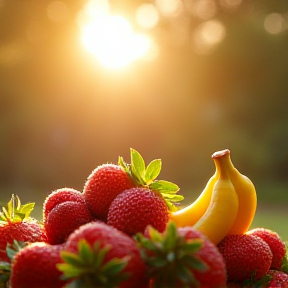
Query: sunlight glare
(111, 39)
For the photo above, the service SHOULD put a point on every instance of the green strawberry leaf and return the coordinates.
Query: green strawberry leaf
(164, 186)
(26, 209)
(153, 170)
(71, 259)
(137, 166)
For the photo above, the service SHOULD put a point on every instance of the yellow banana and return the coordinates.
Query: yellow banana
(189, 215)
(246, 194)
(223, 207)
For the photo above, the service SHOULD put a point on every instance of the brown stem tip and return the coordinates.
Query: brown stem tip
(220, 153)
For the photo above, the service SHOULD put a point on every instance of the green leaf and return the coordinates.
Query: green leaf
(185, 274)
(115, 266)
(170, 240)
(192, 245)
(26, 209)
(72, 259)
(137, 166)
(195, 263)
(164, 186)
(101, 254)
(69, 271)
(172, 197)
(85, 252)
(153, 170)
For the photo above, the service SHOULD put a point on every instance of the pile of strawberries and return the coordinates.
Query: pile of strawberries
(117, 232)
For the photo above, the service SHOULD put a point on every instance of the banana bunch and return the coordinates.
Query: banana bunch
(227, 204)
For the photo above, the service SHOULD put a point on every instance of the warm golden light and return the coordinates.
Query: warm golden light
(208, 35)
(57, 11)
(147, 15)
(169, 8)
(110, 38)
(112, 41)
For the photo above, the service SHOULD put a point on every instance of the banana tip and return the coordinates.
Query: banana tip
(220, 153)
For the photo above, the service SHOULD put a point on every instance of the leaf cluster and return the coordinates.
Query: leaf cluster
(88, 268)
(171, 258)
(15, 212)
(145, 176)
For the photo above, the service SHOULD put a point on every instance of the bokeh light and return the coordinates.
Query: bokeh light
(208, 35)
(275, 23)
(147, 16)
(169, 8)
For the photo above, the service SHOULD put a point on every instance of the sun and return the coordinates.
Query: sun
(111, 39)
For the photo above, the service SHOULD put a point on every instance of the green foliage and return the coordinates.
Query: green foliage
(16, 212)
(171, 259)
(88, 268)
(146, 177)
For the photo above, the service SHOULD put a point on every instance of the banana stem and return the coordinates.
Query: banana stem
(222, 162)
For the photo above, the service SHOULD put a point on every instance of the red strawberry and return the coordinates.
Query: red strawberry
(16, 224)
(134, 209)
(279, 279)
(103, 185)
(246, 256)
(100, 243)
(59, 196)
(148, 204)
(275, 243)
(35, 266)
(64, 218)
(182, 257)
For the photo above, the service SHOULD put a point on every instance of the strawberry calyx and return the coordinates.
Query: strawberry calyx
(88, 267)
(170, 257)
(5, 267)
(145, 176)
(15, 212)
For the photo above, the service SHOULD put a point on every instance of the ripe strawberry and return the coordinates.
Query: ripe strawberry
(59, 196)
(103, 185)
(246, 256)
(148, 203)
(275, 243)
(35, 266)
(64, 218)
(279, 279)
(107, 181)
(135, 208)
(102, 256)
(181, 257)
(16, 224)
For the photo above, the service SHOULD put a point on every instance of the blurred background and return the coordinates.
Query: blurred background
(83, 81)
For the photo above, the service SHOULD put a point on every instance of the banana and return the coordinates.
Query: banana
(223, 207)
(189, 215)
(246, 194)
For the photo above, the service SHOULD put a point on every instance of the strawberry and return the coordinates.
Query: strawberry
(35, 266)
(246, 256)
(275, 243)
(279, 279)
(59, 196)
(107, 181)
(102, 186)
(98, 255)
(181, 257)
(16, 224)
(135, 208)
(64, 218)
(147, 204)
